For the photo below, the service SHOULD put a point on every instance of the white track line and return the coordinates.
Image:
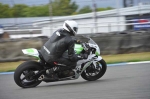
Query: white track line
(138, 62)
(117, 64)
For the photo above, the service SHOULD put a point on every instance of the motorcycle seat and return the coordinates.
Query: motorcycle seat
(40, 56)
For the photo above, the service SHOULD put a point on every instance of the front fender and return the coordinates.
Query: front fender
(98, 58)
(94, 57)
(88, 63)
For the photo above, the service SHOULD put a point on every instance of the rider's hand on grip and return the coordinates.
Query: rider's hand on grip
(77, 41)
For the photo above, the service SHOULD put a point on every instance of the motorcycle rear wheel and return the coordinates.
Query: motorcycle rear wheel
(99, 72)
(24, 73)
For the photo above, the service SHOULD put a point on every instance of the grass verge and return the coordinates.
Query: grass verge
(133, 57)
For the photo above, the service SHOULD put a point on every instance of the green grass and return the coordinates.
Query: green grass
(9, 66)
(133, 57)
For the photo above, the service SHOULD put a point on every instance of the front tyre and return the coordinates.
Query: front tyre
(93, 73)
(24, 73)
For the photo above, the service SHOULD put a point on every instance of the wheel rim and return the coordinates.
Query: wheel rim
(93, 70)
(26, 77)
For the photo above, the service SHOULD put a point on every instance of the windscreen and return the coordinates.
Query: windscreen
(92, 42)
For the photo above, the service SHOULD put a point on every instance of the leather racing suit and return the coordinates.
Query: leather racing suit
(59, 45)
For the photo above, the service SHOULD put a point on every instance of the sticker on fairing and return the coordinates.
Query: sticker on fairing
(31, 52)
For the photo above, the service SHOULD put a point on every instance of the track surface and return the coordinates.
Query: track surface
(119, 82)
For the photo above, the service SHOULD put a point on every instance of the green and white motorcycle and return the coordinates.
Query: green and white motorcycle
(31, 73)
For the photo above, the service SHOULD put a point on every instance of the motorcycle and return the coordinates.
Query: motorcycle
(31, 73)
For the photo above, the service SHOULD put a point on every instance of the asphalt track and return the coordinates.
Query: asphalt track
(120, 82)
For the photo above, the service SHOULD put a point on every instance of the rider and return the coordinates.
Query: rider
(60, 42)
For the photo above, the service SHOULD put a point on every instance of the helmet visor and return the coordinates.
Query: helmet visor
(75, 29)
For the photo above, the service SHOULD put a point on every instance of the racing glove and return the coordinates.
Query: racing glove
(77, 41)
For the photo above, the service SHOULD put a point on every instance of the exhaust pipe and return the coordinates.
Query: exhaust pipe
(41, 77)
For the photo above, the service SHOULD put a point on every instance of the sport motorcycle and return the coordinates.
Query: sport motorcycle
(31, 73)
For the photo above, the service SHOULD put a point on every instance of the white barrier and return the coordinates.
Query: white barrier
(46, 31)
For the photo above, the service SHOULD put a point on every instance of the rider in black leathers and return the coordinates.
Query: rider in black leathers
(59, 49)
(57, 45)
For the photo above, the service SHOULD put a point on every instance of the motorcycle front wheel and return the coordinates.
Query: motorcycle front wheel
(24, 73)
(95, 72)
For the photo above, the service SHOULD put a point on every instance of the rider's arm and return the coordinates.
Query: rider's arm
(77, 41)
(71, 53)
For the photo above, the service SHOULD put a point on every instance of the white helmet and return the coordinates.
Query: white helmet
(71, 26)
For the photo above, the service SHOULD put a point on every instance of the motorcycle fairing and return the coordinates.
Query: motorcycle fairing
(31, 52)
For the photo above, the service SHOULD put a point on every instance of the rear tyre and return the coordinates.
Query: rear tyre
(24, 73)
(93, 73)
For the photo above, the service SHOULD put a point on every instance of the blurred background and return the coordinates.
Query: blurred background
(118, 26)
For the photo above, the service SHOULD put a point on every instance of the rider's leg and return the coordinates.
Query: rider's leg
(65, 68)
(68, 66)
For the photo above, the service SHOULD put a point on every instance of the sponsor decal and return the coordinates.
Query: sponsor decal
(57, 33)
(46, 50)
(30, 50)
(144, 24)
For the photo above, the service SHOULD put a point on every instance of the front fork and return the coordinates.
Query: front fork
(93, 60)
